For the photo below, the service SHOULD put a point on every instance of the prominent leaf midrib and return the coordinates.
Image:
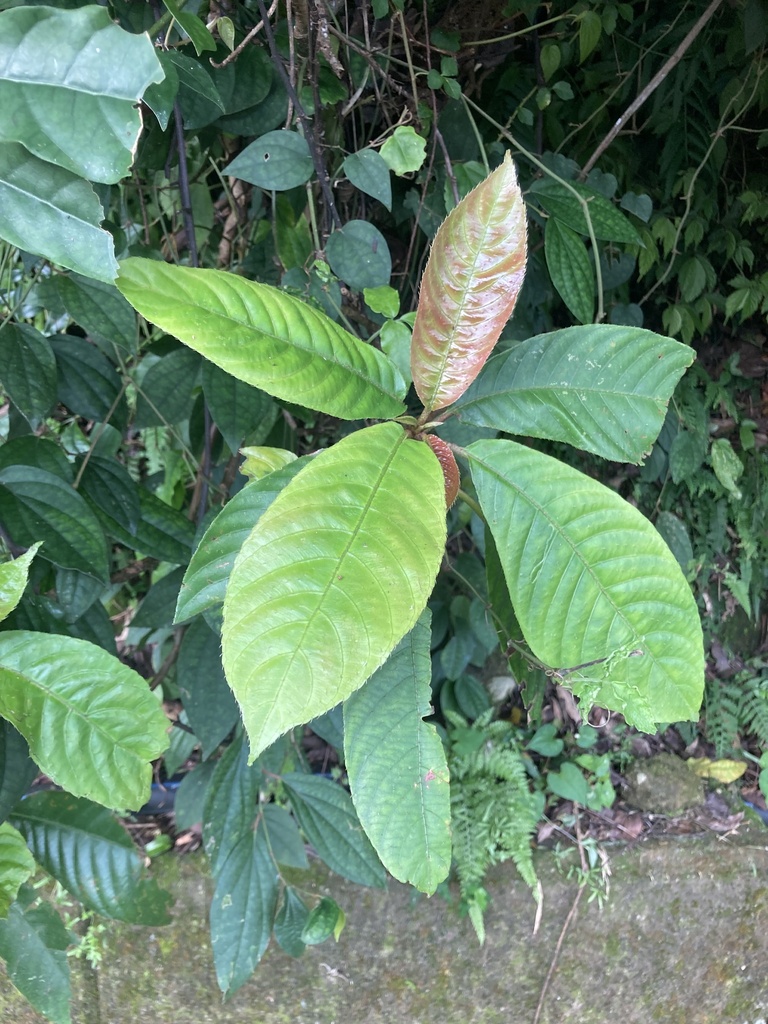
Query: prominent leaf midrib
(40, 201)
(292, 345)
(586, 567)
(353, 535)
(566, 389)
(34, 83)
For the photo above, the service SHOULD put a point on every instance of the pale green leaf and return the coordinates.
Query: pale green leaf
(91, 723)
(404, 151)
(89, 852)
(16, 865)
(592, 581)
(336, 572)
(570, 268)
(260, 461)
(33, 944)
(469, 289)
(13, 580)
(266, 338)
(69, 86)
(51, 212)
(727, 465)
(601, 387)
(396, 765)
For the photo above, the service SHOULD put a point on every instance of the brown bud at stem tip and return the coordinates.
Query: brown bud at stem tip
(448, 466)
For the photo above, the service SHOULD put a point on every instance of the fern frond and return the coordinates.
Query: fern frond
(722, 701)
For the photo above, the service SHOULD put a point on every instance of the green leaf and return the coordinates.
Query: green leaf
(640, 205)
(208, 701)
(570, 268)
(16, 865)
(198, 96)
(305, 626)
(201, 38)
(469, 288)
(384, 300)
(32, 943)
(69, 86)
(328, 820)
(157, 607)
(569, 783)
(76, 592)
(398, 776)
(285, 840)
(13, 580)
(591, 580)
(49, 211)
(27, 370)
(88, 851)
(261, 461)
(160, 97)
(358, 253)
(35, 503)
(89, 385)
(322, 922)
(290, 921)
(675, 534)
(37, 452)
(727, 465)
(266, 338)
(369, 171)
(278, 161)
(162, 532)
(91, 723)
(165, 391)
(100, 309)
(207, 575)
(230, 806)
(608, 223)
(590, 28)
(238, 410)
(112, 495)
(404, 151)
(17, 769)
(191, 795)
(602, 388)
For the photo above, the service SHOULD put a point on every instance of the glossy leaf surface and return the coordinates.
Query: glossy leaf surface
(91, 723)
(89, 852)
(336, 572)
(469, 289)
(266, 338)
(13, 580)
(592, 581)
(16, 865)
(69, 85)
(571, 269)
(602, 388)
(396, 765)
(49, 211)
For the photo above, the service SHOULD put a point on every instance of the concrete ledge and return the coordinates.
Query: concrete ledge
(683, 940)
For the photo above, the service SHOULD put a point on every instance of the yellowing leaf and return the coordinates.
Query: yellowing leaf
(722, 770)
(259, 461)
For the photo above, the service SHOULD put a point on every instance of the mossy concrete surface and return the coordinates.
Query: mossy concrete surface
(682, 940)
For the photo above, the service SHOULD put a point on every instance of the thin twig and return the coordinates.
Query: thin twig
(654, 83)
(242, 45)
(558, 947)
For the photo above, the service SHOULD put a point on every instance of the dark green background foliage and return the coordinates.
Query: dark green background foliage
(321, 158)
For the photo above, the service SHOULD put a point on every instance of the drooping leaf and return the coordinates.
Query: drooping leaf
(277, 161)
(162, 531)
(592, 581)
(33, 944)
(199, 99)
(230, 805)
(17, 769)
(69, 85)
(290, 921)
(306, 624)
(88, 383)
(206, 578)
(157, 607)
(322, 922)
(602, 388)
(369, 171)
(571, 269)
(88, 851)
(16, 865)
(238, 409)
(13, 580)
(100, 309)
(91, 723)
(27, 370)
(208, 701)
(469, 289)
(327, 818)
(358, 253)
(266, 338)
(201, 38)
(35, 503)
(285, 840)
(111, 494)
(398, 776)
(165, 391)
(49, 211)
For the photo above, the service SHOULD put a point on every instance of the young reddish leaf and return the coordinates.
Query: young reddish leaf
(448, 465)
(469, 289)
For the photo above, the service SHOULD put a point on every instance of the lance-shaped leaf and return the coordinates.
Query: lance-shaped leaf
(469, 289)
(266, 338)
(89, 852)
(33, 944)
(91, 722)
(602, 388)
(13, 580)
(69, 85)
(49, 211)
(337, 570)
(396, 764)
(592, 581)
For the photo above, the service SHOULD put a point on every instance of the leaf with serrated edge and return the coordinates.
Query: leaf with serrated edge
(603, 388)
(266, 338)
(398, 776)
(335, 573)
(469, 289)
(88, 851)
(91, 723)
(13, 580)
(591, 580)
